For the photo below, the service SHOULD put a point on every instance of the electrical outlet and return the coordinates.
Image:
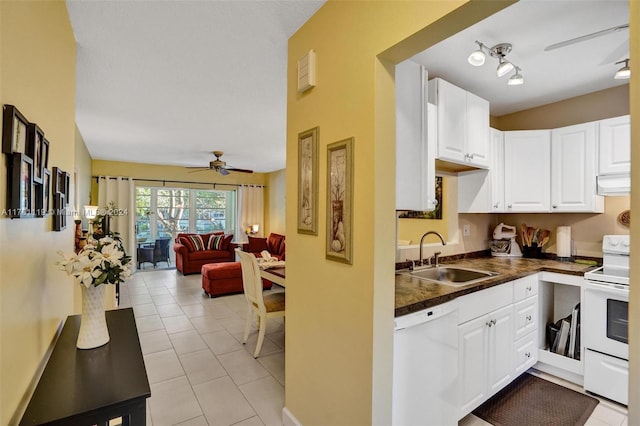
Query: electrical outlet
(466, 230)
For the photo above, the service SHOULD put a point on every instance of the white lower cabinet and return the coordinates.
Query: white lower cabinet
(485, 357)
(497, 339)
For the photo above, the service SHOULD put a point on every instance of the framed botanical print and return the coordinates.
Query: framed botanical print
(14, 131)
(340, 201)
(21, 186)
(308, 182)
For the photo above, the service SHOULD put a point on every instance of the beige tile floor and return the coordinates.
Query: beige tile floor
(201, 374)
(198, 369)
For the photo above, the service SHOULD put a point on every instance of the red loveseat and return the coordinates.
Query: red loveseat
(274, 244)
(195, 250)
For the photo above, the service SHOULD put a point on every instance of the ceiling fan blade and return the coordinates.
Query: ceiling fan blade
(233, 169)
(224, 172)
(197, 169)
(586, 37)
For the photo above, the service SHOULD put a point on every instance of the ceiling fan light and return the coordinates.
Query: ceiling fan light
(516, 79)
(504, 68)
(624, 72)
(476, 58)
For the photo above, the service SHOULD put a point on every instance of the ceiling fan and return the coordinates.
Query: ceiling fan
(219, 166)
(587, 37)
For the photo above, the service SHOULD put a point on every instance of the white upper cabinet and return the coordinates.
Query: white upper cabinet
(615, 146)
(573, 169)
(527, 171)
(482, 191)
(463, 124)
(415, 140)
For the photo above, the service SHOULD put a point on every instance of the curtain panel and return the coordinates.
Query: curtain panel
(250, 211)
(119, 192)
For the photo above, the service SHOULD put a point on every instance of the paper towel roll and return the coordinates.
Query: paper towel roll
(563, 241)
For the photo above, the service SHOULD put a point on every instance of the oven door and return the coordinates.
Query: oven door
(605, 319)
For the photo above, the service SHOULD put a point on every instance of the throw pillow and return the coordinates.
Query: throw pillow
(226, 244)
(207, 237)
(198, 244)
(187, 243)
(274, 242)
(216, 242)
(256, 245)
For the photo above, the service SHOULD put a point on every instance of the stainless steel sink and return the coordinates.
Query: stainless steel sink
(452, 275)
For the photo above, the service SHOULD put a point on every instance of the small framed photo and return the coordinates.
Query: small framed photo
(308, 182)
(59, 212)
(57, 181)
(67, 188)
(14, 131)
(45, 153)
(340, 201)
(35, 140)
(42, 195)
(21, 187)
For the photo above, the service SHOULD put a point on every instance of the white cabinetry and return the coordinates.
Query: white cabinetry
(573, 169)
(415, 140)
(527, 171)
(482, 191)
(526, 319)
(485, 345)
(463, 124)
(615, 146)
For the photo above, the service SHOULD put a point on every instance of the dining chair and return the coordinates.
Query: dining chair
(269, 306)
(161, 251)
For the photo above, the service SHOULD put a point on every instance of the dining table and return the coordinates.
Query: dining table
(274, 274)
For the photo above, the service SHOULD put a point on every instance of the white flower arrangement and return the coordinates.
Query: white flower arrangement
(99, 262)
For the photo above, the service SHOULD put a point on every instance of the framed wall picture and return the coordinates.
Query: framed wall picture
(308, 181)
(21, 186)
(59, 212)
(14, 131)
(340, 201)
(45, 154)
(67, 188)
(57, 181)
(35, 138)
(42, 196)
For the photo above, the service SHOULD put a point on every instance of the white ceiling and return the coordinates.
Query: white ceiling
(167, 82)
(530, 26)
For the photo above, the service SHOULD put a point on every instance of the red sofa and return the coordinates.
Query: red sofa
(274, 244)
(193, 252)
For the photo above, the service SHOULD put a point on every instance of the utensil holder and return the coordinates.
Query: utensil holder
(532, 251)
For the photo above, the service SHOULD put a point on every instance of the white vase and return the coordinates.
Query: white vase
(93, 324)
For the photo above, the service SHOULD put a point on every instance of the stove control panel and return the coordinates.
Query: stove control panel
(615, 244)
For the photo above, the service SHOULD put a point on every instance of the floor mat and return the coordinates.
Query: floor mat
(531, 401)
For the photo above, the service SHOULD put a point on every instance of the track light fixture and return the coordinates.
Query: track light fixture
(499, 51)
(625, 71)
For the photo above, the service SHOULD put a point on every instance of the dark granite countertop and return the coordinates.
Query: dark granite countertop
(413, 294)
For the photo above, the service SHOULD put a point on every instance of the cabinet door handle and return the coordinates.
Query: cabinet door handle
(555, 207)
(509, 206)
(528, 354)
(471, 156)
(528, 317)
(528, 288)
(496, 205)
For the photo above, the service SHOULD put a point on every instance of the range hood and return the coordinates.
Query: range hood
(614, 184)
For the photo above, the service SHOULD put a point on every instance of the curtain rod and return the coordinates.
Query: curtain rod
(164, 181)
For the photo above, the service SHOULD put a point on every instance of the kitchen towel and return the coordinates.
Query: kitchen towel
(563, 241)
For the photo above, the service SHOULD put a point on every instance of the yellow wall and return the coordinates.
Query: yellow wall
(37, 74)
(599, 105)
(275, 203)
(339, 327)
(634, 302)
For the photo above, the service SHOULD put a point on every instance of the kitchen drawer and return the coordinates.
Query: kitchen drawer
(484, 301)
(607, 376)
(525, 287)
(526, 353)
(525, 315)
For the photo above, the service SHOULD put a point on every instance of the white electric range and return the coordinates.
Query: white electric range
(605, 322)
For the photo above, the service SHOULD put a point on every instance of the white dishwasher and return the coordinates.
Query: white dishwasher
(425, 367)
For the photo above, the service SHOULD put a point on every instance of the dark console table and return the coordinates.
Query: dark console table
(92, 386)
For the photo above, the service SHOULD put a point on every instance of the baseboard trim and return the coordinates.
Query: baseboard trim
(288, 419)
